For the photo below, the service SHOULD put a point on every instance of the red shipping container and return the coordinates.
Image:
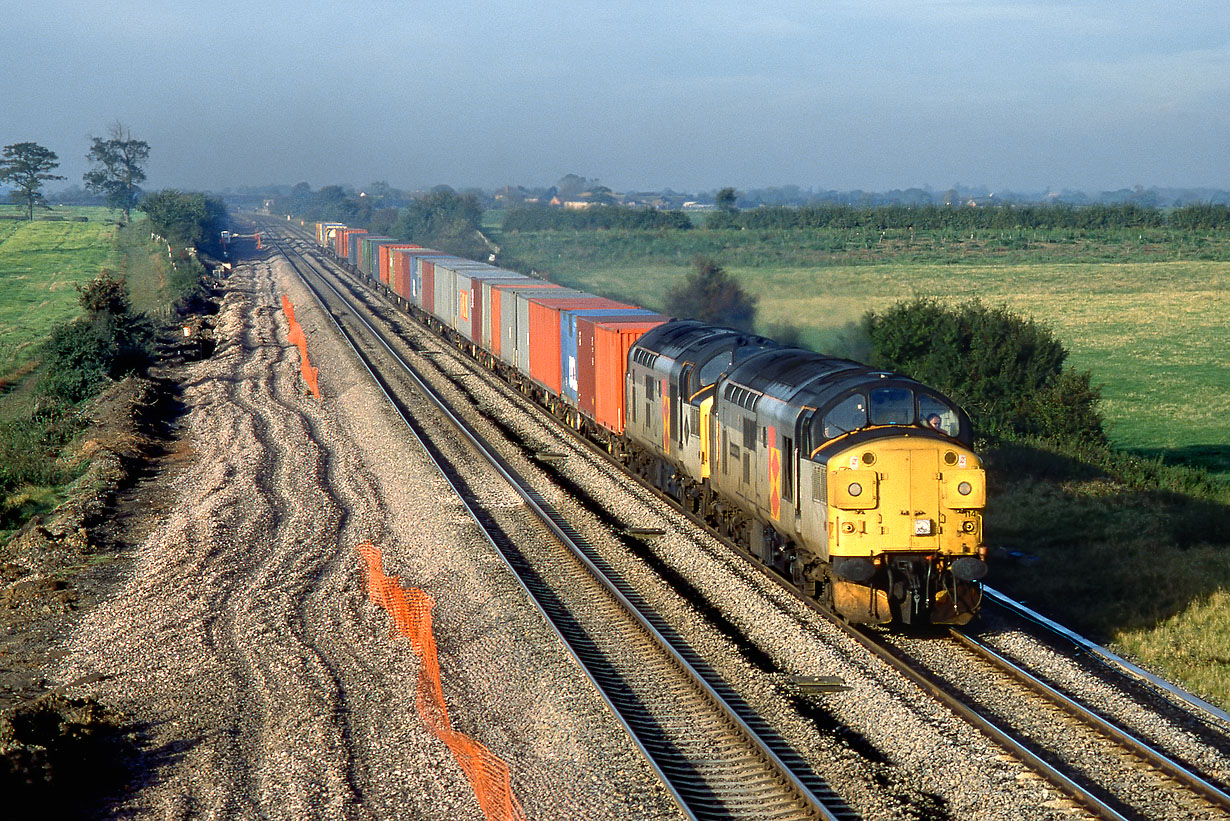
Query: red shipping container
(343, 241)
(395, 275)
(602, 365)
(386, 272)
(429, 287)
(401, 270)
(492, 296)
(544, 337)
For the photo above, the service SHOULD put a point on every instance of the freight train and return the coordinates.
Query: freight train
(858, 486)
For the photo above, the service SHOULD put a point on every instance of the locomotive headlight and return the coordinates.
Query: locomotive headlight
(855, 489)
(965, 488)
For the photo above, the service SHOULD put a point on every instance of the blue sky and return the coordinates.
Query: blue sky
(873, 94)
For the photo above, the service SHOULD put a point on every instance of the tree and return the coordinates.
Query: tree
(599, 195)
(725, 200)
(712, 295)
(26, 166)
(1007, 371)
(571, 186)
(118, 167)
(445, 220)
(184, 219)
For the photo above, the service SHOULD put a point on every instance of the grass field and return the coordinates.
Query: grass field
(1140, 563)
(40, 263)
(1152, 331)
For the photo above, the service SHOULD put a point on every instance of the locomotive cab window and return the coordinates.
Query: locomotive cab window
(850, 414)
(892, 406)
(933, 413)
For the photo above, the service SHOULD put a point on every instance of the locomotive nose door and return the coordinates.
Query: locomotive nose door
(924, 471)
(909, 498)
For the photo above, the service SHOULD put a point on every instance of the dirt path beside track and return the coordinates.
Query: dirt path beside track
(243, 648)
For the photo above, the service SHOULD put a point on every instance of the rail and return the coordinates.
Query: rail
(813, 796)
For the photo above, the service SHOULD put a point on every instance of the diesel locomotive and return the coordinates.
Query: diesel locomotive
(858, 486)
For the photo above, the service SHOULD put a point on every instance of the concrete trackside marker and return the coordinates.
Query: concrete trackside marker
(296, 338)
(411, 612)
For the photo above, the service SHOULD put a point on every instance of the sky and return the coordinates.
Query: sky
(1021, 95)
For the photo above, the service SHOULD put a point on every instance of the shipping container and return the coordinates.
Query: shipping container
(602, 365)
(386, 260)
(401, 271)
(369, 254)
(568, 341)
(470, 289)
(429, 288)
(449, 308)
(510, 334)
(344, 243)
(426, 284)
(491, 309)
(538, 357)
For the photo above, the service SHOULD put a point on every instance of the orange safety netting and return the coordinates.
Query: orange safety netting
(296, 337)
(411, 612)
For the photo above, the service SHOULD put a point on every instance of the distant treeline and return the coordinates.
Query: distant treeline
(882, 218)
(939, 218)
(600, 217)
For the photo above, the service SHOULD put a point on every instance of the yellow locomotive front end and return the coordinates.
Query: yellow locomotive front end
(905, 530)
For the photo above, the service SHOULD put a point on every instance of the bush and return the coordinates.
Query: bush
(1006, 371)
(80, 357)
(109, 341)
(712, 295)
(446, 221)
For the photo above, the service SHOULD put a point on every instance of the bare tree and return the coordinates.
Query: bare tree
(26, 166)
(118, 167)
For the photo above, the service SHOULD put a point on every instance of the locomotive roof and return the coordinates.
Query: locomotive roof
(681, 337)
(785, 372)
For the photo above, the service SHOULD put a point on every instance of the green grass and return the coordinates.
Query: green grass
(1153, 332)
(93, 213)
(1144, 569)
(40, 263)
(1131, 553)
(155, 280)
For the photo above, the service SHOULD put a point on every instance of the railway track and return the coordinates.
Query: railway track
(1198, 706)
(717, 756)
(1109, 770)
(1126, 779)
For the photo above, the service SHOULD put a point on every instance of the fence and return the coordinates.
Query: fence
(296, 338)
(411, 612)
